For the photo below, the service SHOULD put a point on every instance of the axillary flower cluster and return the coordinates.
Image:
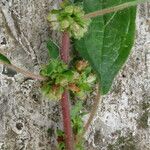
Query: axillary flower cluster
(69, 18)
(79, 79)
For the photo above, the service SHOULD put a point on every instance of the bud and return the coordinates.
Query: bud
(55, 25)
(79, 35)
(76, 75)
(91, 78)
(69, 9)
(75, 30)
(56, 92)
(64, 24)
(69, 18)
(52, 17)
(77, 10)
(75, 27)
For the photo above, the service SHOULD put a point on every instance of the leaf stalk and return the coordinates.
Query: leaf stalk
(24, 72)
(114, 9)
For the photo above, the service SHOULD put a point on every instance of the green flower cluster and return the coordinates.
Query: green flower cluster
(79, 79)
(69, 18)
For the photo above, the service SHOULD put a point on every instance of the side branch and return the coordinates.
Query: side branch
(24, 72)
(114, 9)
(93, 111)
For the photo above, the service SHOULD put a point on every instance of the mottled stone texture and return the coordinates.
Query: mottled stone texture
(25, 115)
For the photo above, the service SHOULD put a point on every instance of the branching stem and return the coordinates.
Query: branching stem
(93, 111)
(24, 72)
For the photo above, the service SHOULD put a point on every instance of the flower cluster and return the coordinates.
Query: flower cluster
(79, 79)
(69, 18)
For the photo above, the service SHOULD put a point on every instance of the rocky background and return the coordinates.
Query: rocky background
(122, 121)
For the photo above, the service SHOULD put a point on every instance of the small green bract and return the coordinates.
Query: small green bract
(69, 18)
(79, 79)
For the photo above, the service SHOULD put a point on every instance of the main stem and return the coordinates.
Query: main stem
(64, 52)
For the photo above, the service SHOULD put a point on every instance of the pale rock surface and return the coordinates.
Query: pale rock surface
(25, 115)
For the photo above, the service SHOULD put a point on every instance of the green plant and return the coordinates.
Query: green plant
(69, 18)
(78, 79)
(77, 123)
(103, 35)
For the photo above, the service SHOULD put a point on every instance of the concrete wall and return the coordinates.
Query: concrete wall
(25, 115)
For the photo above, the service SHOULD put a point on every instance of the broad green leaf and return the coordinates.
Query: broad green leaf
(109, 40)
(53, 49)
(4, 59)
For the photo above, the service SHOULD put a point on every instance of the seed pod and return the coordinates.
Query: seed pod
(81, 65)
(73, 87)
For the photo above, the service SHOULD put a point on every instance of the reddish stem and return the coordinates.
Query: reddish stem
(64, 51)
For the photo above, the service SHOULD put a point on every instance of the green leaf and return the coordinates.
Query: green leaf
(4, 59)
(76, 109)
(54, 67)
(108, 43)
(45, 89)
(53, 49)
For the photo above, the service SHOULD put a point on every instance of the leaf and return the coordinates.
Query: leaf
(109, 40)
(53, 49)
(55, 66)
(4, 59)
(45, 89)
(60, 132)
(76, 109)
